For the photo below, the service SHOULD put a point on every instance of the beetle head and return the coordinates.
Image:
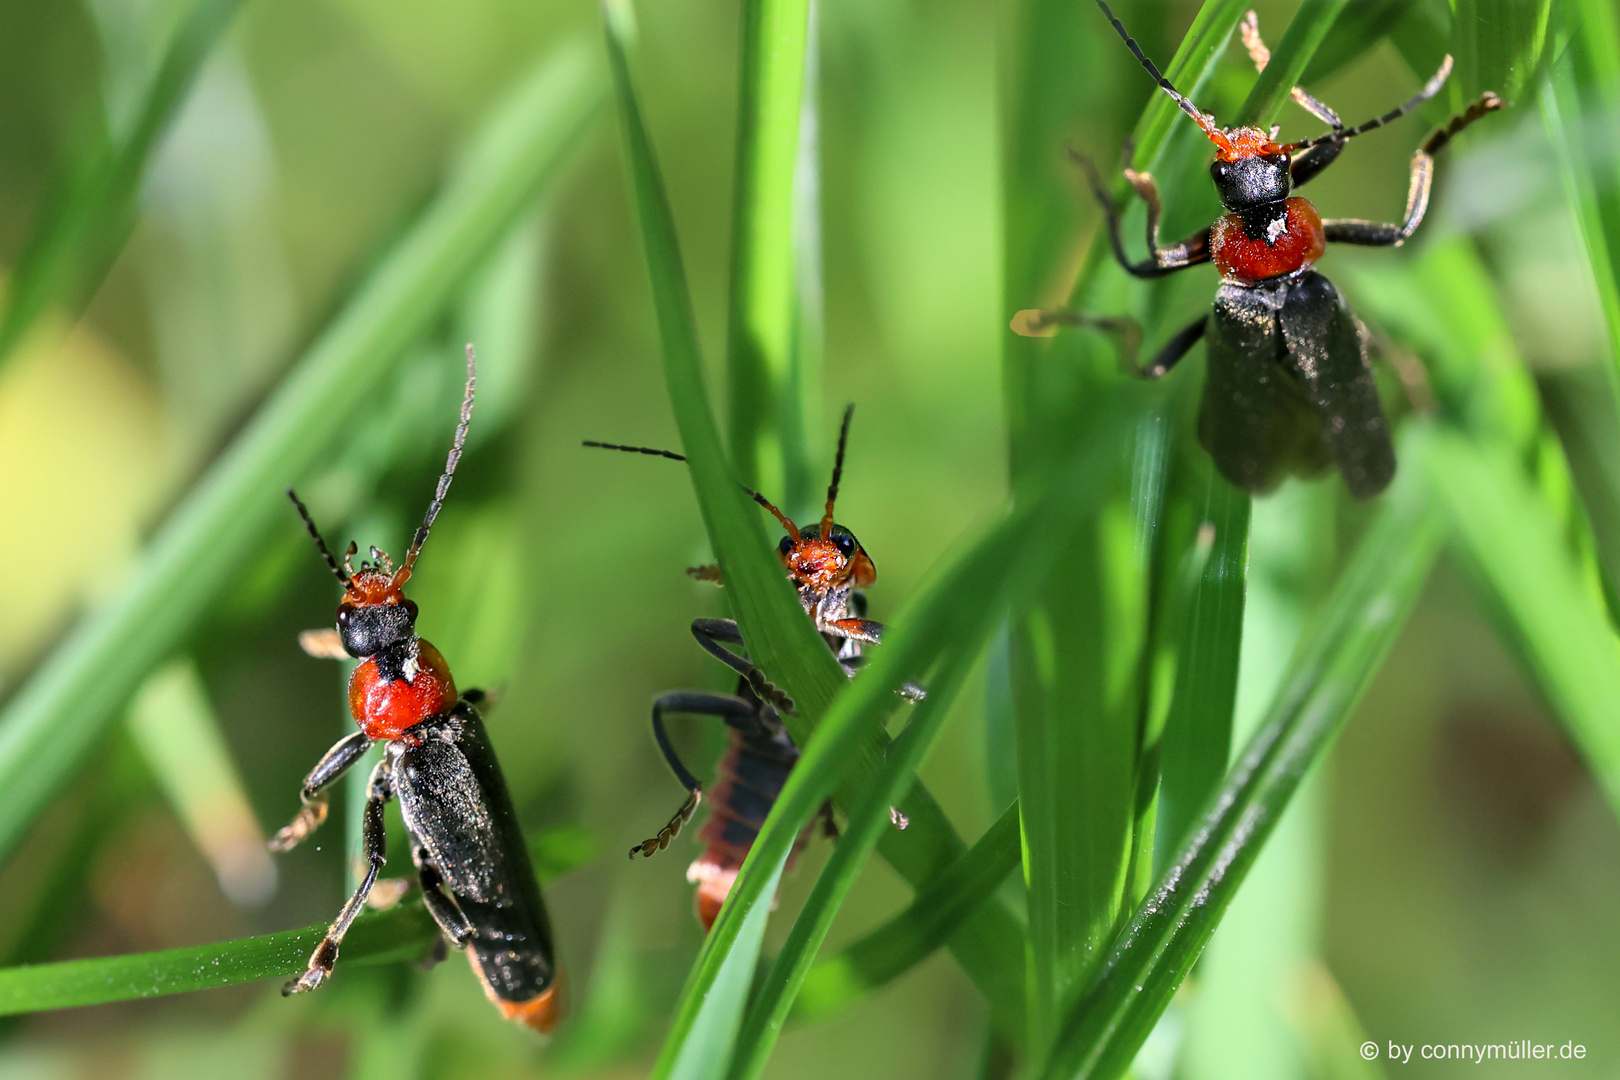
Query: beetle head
(1246, 177)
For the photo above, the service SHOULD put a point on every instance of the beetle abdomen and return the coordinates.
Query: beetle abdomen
(456, 807)
(748, 780)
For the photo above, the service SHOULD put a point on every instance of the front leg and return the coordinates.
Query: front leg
(336, 762)
(374, 843)
(1161, 261)
(733, 711)
(1383, 234)
(714, 635)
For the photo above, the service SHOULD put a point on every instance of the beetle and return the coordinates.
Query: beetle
(829, 568)
(471, 859)
(1289, 388)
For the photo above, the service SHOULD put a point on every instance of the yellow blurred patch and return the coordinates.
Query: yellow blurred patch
(80, 439)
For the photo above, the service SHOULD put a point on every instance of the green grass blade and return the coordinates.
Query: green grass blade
(1197, 740)
(1289, 59)
(778, 636)
(1497, 44)
(923, 926)
(1580, 97)
(57, 716)
(1551, 615)
(768, 390)
(1358, 28)
(177, 733)
(1151, 956)
(73, 246)
(403, 933)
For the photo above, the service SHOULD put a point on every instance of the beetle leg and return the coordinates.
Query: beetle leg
(713, 635)
(1161, 261)
(734, 711)
(456, 926)
(1175, 349)
(1383, 234)
(333, 764)
(374, 842)
(857, 630)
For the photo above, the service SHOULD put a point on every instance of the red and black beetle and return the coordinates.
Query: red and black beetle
(1288, 388)
(470, 856)
(829, 567)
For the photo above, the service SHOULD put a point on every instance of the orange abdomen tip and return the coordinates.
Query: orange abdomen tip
(713, 881)
(386, 709)
(1298, 244)
(540, 1012)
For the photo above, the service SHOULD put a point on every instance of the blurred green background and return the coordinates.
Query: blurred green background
(1450, 876)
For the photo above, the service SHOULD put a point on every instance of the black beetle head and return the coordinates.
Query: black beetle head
(1251, 181)
(367, 629)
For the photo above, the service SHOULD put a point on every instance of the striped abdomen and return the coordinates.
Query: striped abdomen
(747, 782)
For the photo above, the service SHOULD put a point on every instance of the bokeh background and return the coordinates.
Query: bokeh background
(1449, 876)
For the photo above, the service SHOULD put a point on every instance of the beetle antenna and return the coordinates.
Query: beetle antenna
(1430, 88)
(315, 534)
(787, 523)
(404, 573)
(1202, 119)
(838, 472)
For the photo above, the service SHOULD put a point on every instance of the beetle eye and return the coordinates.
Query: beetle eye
(845, 543)
(785, 546)
(343, 615)
(410, 606)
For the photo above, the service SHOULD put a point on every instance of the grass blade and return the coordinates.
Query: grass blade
(1550, 614)
(1498, 46)
(1580, 100)
(404, 932)
(178, 734)
(1197, 740)
(74, 244)
(51, 725)
(911, 937)
(1151, 956)
(768, 390)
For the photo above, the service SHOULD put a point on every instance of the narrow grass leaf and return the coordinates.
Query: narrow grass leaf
(1289, 59)
(1197, 740)
(1498, 46)
(913, 935)
(404, 932)
(768, 391)
(1358, 28)
(1580, 105)
(176, 731)
(1557, 624)
(1152, 955)
(75, 242)
(56, 717)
